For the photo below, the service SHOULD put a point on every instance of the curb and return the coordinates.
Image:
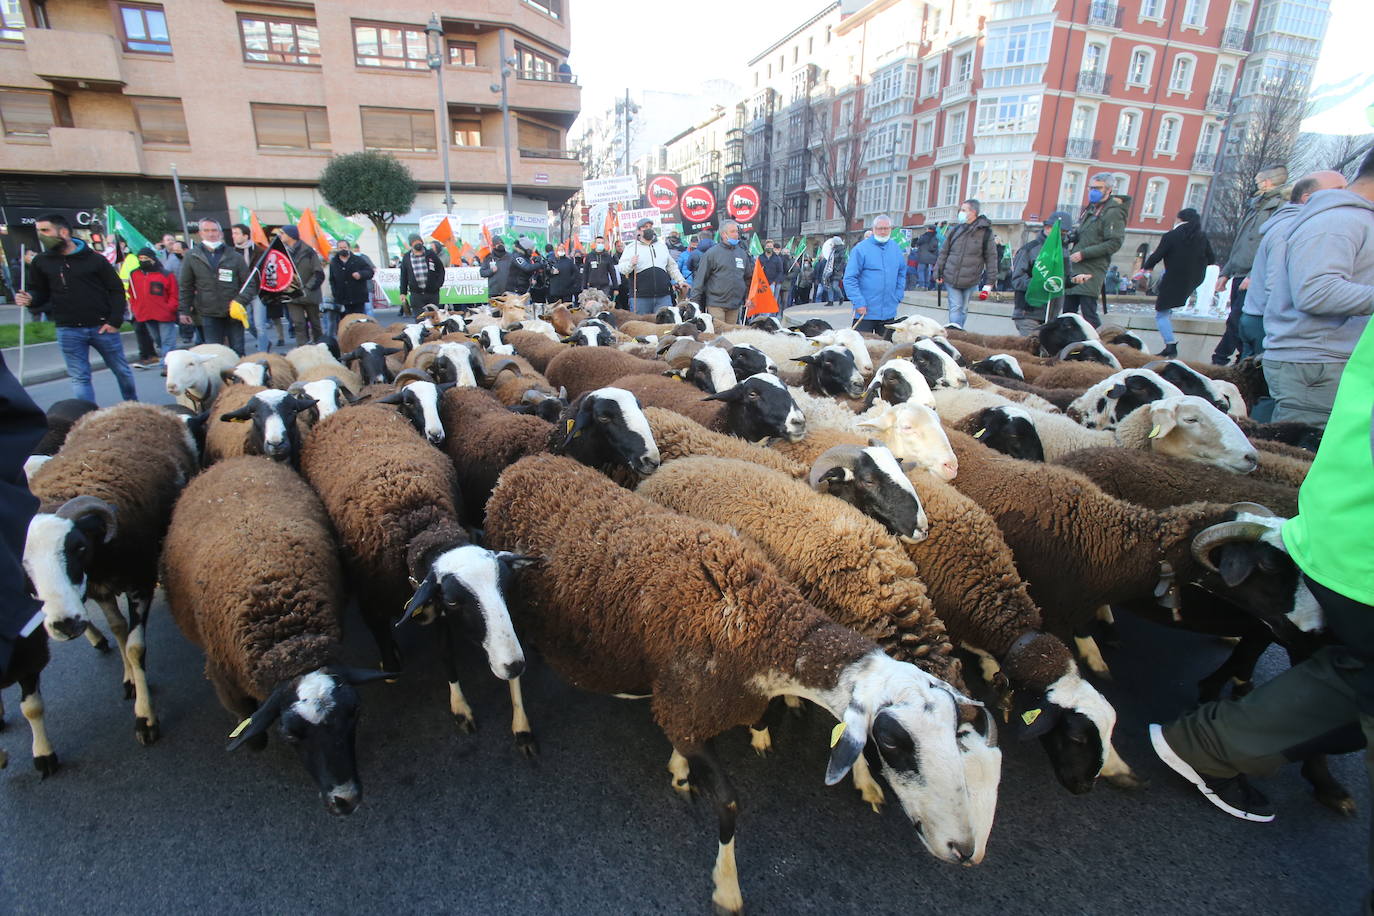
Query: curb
(59, 371)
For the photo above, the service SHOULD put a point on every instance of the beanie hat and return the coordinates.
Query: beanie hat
(291, 231)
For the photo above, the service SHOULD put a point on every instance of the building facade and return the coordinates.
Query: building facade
(249, 100)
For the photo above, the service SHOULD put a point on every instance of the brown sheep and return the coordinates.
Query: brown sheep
(276, 371)
(1071, 374)
(582, 369)
(998, 343)
(224, 438)
(354, 329)
(1159, 481)
(703, 622)
(485, 439)
(642, 328)
(657, 390)
(537, 348)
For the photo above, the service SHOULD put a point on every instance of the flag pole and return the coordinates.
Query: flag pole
(23, 275)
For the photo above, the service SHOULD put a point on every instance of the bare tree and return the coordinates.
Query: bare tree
(836, 159)
(1339, 152)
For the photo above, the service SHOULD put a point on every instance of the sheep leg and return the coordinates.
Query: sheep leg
(31, 702)
(1118, 772)
(725, 875)
(1238, 668)
(868, 787)
(1092, 656)
(120, 628)
(520, 723)
(1107, 620)
(760, 738)
(794, 705)
(96, 638)
(463, 716)
(681, 772)
(145, 720)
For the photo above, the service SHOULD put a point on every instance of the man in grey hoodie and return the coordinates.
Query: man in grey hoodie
(1319, 304)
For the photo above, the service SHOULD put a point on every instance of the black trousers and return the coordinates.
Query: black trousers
(1230, 341)
(1085, 306)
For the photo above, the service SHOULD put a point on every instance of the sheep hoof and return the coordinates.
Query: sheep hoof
(128, 690)
(46, 765)
(725, 910)
(465, 725)
(146, 732)
(1342, 804)
(103, 647)
(1126, 779)
(684, 788)
(761, 740)
(525, 744)
(873, 795)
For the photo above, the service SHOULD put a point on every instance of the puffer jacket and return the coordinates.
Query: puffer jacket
(722, 277)
(1101, 230)
(209, 281)
(969, 252)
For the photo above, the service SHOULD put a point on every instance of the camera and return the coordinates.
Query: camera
(1071, 236)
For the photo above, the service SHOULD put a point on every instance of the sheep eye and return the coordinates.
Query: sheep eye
(1190, 419)
(753, 395)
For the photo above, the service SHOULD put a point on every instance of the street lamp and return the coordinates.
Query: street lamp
(434, 36)
(507, 63)
(182, 198)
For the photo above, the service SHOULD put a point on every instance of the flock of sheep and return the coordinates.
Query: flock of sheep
(727, 520)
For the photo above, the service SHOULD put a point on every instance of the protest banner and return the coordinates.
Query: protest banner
(627, 219)
(616, 189)
(461, 285)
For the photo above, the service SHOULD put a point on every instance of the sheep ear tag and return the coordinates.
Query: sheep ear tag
(1030, 715)
(1154, 433)
(979, 434)
(835, 733)
(238, 729)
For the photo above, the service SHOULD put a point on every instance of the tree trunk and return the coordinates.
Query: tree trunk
(381, 225)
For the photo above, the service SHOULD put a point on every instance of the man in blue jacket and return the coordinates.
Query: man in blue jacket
(876, 278)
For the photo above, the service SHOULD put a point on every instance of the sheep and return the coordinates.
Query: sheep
(1105, 404)
(313, 362)
(61, 417)
(1232, 400)
(329, 394)
(511, 387)
(911, 431)
(194, 376)
(1090, 351)
(811, 327)
(1002, 365)
(993, 342)
(418, 402)
(757, 408)
(1061, 331)
(678, 351)
(702, 621)
(393, 501)
(1008, 429)
(1189, 380)
(852, 341)
(678, 437)
(1073, 374)
(271, 430)
(896, 382)
(582, 369)
(591, 335)
(1281, 468)
(536, 348)
(266, 370)
(1058, 399)
(913, 326)
(1157, 481)
(972, 581)
(940, 369)
(831, 370)
(252, 577)
(748, 360)
(782, 349)
(710, 370)
(106, 500)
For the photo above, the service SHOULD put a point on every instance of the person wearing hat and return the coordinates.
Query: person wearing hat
(303, 302)
(524, 267)
(650, 270)
(422, 276)
(1025, 315)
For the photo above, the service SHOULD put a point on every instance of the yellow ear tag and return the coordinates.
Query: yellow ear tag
(836, 733)
(1154, 433)
(1030, 715)
(816, 344)
(238, 729)
(979, 434)
(570, 426)
(416, 612)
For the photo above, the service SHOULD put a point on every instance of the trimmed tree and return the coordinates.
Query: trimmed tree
(375, 185)
(148, 213)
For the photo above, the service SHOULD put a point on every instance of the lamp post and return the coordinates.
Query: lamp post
(181, 207)
(507, 63)
(434, 36)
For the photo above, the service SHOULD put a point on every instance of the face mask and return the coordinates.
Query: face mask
(49, 242)
(146, 265)
(212, 245)
(418, 246)
(882, 239)
(1094, 196)
(600, 247)
(343, 255)
(963, 216)
(731, 242)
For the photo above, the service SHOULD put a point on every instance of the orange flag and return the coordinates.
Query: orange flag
(612, 232)
(255, 230)
(465, 252)
(444, 233)
(760, 299)
(312, 234)
(577, 242)
(485, 251)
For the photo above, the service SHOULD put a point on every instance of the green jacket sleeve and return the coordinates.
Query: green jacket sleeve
(1113, 234)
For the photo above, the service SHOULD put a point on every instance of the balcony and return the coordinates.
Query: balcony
(1205, 162)
(1081, 148)
(563, 100)
(1094, 82)
(822, 227)
(75, 60)
(1233, 39)
(1104, 14)
(105, 152)
(1006, 211)
(943, 214)
(950, 152)
(734, 135)
(533, 153)
(957, 92)
(1219, 100)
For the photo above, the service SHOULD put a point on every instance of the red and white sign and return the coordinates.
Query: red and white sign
(742, 203)
(662, 193)
(541, 177)
(278, 273)
(698, 204)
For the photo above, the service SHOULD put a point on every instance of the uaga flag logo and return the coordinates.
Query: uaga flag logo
(743, 203)
(663, 193)
(698, 204)
(278, 273)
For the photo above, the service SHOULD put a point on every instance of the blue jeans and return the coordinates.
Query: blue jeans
(164, 334)
(1251, 335)
(1165, 326)
(829, 292)
(958, 303)
(925, 276)
(76, 343)
(647, 305)
(329, 318)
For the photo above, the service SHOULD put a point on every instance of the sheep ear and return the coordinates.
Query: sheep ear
(349, 356)
(364, 675)
(395, 397)
(808, 359)
(424, 594)
(1039, 718)
(517, 561)
(847, 742)
(729, 395)
(241, 415)
(388, 351)
(1164, 421)
(258, 722)
(304, 402)
(1117, 391)
(837, 475)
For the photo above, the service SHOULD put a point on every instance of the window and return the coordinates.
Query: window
(1071, 189)
(531, 65)
(1196, 196)
(1142, 63)
(1008, 114)
(931, 83)
(11, 20)
(466, 132)
(398, 129)
(925, 137)
(462, 53)
(1195, 13)
(1000, 180)
(1306, 18)
(390, 46)
(1207, 138)
(280, 41)
(1181, 78)
(161, 121)
(144, 28)
(949, 189)
(811, 45)
(963, 67)
(535, 136)
(920, 194)
(1093, 56)
(1014, 9)
(1120, 183)
(955, 123)
(26, 114)
(290, 127)
(1151, 9)
(1156, 190)
(1166, 144)
(1128, 129)
(1083, 118)
(1011, 45)
(846, 117)
(1239, 17)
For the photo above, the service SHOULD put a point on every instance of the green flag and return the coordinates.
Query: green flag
(337, 225)
(755, 246)
(245, 216)
(292, 214)
(900, 236)
(1047, 273)
(115, 224)
(800, 248)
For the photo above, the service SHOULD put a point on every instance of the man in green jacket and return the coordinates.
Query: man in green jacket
(1101, 230)
(213, 276)
(1315, 706)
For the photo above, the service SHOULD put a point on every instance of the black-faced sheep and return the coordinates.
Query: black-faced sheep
(1108, 402)
(252, 577)
(61, 416)
(1158, 481)
(248, 420)
(1007, 429)
(266, 370)
(757, 408)
(392, 498)
(703, 622)
(106, 502)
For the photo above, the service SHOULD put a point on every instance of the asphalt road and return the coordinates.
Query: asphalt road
(463, 823)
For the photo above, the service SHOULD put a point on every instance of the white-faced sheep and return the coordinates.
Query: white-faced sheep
(252, 577)
(618, 623)
(913, 326)
(106, 501)
(194, 376)
(392, 498)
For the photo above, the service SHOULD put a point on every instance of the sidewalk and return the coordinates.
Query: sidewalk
(43, 362)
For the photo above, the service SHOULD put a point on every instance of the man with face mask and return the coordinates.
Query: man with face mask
(422, 276)
(303, 305)
(598, 272)
(722, 277)
(213, 275)
(1101, 231)
(875, 278)
(968, 257)
(1028, 316)
(153, 299)
(83, 294)
(1269, 197)
(565, 282)
(650, 270)
(350, 278)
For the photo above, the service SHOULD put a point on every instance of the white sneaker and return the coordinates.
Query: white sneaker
(957, 327)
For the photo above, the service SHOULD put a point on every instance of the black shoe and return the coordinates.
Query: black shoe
(1169, 350)
(1220, 360)
(1235, 795)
